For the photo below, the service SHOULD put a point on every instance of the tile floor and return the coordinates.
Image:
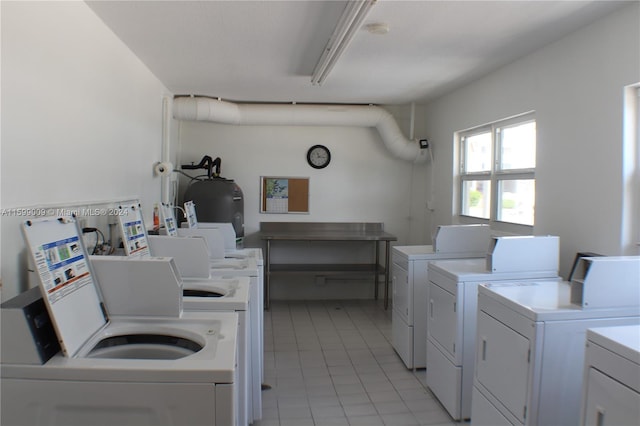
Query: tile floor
(331, 363)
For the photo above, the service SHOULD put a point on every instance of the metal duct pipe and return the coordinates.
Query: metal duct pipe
(217, 111)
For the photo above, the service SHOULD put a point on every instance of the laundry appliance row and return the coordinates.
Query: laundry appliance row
(68, 360)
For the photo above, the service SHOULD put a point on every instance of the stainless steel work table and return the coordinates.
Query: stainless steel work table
(327, 231)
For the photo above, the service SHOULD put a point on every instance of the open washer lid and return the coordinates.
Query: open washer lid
(66, 280)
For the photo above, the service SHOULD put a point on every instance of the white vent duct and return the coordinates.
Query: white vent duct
(217, 111)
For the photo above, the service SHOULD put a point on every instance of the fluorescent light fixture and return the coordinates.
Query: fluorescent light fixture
(350, 21)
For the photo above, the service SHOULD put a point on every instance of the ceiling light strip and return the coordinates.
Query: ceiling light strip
(350, 21)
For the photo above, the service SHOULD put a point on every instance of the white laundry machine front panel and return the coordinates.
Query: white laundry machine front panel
(502, 363)
(234, 297)
(445, 380)
(609, 402)
(402, 293)
(248, 268)
(81, 403)
(402, 338)
(444, 323)
(485, 413)
(420, 297)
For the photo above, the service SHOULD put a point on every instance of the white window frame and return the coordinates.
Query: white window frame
(494, 175)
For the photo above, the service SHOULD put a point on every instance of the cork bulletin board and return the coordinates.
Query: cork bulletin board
(279, 194)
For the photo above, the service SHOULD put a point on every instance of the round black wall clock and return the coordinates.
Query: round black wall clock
(318, 156)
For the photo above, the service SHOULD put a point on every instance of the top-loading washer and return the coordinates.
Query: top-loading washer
(193, 260)
(410, 284)
(531, 336)
(181, 370)
(248, 267)
(451, 320)
(221, 295)
(126, 284)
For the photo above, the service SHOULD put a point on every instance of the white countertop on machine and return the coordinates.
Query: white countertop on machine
(235, 294)
(427, 253)
(623, 340)
(476, 270)
(415, 252)
(547, 300)
(235, 265)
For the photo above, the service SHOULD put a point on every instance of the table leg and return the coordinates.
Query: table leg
(387, 266)
(376, 278)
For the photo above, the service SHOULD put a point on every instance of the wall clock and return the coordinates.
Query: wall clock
(318, 156)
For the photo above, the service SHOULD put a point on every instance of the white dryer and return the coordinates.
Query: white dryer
(611, 386)
(451, 320)
(531, 347)
(410, 283)
(180, 370)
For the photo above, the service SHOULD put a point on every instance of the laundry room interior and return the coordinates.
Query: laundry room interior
(350, 212)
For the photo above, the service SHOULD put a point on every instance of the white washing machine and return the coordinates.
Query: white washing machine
(531, 345)
(119, 370)
(410, 283)
(127, 282)
(224, 295)
(248, 268)
(611, 383)
(194, 263)
(451, 320)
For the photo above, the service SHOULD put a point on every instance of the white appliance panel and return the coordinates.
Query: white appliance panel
(609, 402)
(402, 294)
(152, 405)
(444, 325)
(248, 268)
(485, 413)
(444, 379)
(503, 363)
(235, 299)
(402, 338)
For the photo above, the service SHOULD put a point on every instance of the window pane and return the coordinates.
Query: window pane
(518, 147)
(516, 201)
(477, 153)
(476, 198)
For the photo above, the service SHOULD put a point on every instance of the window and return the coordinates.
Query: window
(497, 171)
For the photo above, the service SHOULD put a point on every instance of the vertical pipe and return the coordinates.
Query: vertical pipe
(166, 119)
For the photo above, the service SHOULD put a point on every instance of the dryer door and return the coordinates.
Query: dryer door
(444, 325)
(401, 291)
(609, 402)
(502, 364)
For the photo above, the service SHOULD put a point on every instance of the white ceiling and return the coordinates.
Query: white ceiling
(265, 51)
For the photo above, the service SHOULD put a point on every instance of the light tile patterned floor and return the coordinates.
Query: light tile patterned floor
(331, 363)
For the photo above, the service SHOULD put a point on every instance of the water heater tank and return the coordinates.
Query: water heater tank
(218, 200)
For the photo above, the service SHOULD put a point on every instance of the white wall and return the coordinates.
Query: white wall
(576, 87)
(363, 182)
(81, 118)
